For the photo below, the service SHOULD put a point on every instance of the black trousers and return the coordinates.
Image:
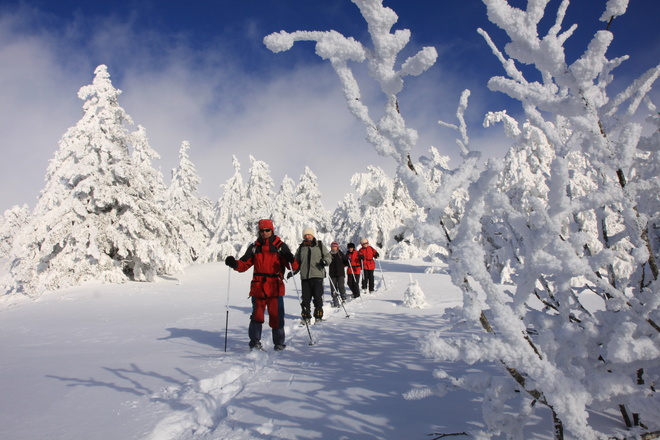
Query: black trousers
(368, 279)
(354, 284)
(312, 290)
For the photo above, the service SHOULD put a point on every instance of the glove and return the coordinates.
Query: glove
(289, 275)
(323, 263)
(231, 262)
(361, 257)
(376, 255)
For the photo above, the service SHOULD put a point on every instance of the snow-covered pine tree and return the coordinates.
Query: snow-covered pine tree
(195, 213)
(13, 220)
(308, 203)
(141, 157)
(288, 220)
(346, 220)
(230, 231)
(259, 195)
(387, 215)
(97, 217)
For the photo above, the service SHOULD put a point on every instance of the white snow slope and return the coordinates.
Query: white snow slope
(148, 361)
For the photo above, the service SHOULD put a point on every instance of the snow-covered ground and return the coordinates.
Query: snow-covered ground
(148, 361)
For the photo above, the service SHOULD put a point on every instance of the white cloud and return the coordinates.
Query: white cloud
(289, 120)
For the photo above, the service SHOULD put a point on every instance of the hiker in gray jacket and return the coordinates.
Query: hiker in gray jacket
(313, 258)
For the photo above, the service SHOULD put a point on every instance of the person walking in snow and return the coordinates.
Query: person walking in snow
(337, 274)
(312, 257)
(270, 256)
(353, 270)
(367, 255)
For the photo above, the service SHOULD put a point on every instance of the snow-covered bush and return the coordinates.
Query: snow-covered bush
(576, 227)
(414, 297)
(585, 228)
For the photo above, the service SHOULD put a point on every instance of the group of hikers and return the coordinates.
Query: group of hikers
(271, 257)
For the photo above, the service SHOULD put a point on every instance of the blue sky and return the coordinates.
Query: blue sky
(197, 70)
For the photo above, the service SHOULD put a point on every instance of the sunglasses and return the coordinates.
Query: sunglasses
(364, 244)
(265, 230)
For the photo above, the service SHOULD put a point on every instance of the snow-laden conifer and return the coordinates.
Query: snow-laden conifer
(310, 207)
(194, 213)
(12, 221)
(288, 219)
(346, 220)
(141, 158)
(385, 214)
(230, 231)
(259, 194)
(99, 216)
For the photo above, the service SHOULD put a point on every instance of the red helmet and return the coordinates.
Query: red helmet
(266, 224)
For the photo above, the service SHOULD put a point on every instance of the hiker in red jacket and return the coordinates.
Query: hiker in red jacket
(353, 270)
(367, 254)
(270, 256)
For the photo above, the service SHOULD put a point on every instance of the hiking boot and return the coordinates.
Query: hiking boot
(256, 345)
(280, 347)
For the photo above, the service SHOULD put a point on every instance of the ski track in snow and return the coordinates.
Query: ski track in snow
(209, 411)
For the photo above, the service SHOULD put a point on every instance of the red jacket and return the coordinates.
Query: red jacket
(270, 259)
(354, 267)
(367, 256)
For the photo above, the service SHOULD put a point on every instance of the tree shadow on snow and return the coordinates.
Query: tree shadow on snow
(392, 266)
(212, 339)
(356, 391)
(135, 381)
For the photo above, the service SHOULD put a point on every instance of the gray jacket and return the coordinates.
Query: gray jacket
(313, 257)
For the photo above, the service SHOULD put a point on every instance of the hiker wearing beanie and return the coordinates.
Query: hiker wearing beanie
(270, 256)
(353, 270)
(367, 254)
(337, 274)
(312, 257)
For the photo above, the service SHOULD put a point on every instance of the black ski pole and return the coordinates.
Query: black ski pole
(341, 301)
(227, 307)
